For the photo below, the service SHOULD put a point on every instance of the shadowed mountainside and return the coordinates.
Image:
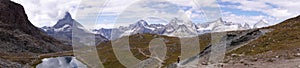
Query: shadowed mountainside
(19, 38)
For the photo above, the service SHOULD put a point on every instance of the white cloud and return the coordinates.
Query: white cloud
(195, 3)
(47, 12)
(281, 9)
(107, 25)
(136, 9)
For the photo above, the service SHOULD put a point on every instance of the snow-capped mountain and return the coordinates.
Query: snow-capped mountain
(176, 27)
(157, 28)
(260, 24)
(62, 30)
(139, 27)
(246, 26)
(180, 28)
(104, 32)
(63, 25)
(219, 26)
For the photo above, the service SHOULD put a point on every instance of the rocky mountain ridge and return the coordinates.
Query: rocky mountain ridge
(20, 39)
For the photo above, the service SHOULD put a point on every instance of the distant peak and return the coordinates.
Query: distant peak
(220, 19)
(263, 21)
(246, 24)
(67, 20)
(142, 23)
(175, 18)
(67, 16)
(175, 21)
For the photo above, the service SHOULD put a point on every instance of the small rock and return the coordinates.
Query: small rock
(254, 59)
(297, 54)
(140, 36)
(220, 65)
(246, 64)
(155, 36)
(234, 55)
(241, 55)
(166, 40)
(276, 56)
(298, 49)
(271, 60)
(204, 63)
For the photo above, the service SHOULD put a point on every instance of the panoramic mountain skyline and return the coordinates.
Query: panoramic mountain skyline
(88, 13)
(176, 28)
(149, 34)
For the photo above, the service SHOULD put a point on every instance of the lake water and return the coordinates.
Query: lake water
(61, 62)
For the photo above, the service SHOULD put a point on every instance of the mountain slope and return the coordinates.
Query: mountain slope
(280, 45)
(19, 38)
(269, 45)
(285, 36)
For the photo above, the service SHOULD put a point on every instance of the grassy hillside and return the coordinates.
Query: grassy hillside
(283, 41)
(141, 41)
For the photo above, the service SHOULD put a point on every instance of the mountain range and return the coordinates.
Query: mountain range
(176, 28)
(62, 30)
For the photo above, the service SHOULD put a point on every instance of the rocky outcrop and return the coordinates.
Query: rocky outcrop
(6, 64)
(17, 34)
(20, 38)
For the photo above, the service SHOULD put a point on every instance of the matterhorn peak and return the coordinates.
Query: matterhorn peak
(67, 16)
(67, 21)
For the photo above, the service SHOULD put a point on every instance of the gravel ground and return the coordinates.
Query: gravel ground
(291, 63)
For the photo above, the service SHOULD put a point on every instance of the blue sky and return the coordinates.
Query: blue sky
(115, 13)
